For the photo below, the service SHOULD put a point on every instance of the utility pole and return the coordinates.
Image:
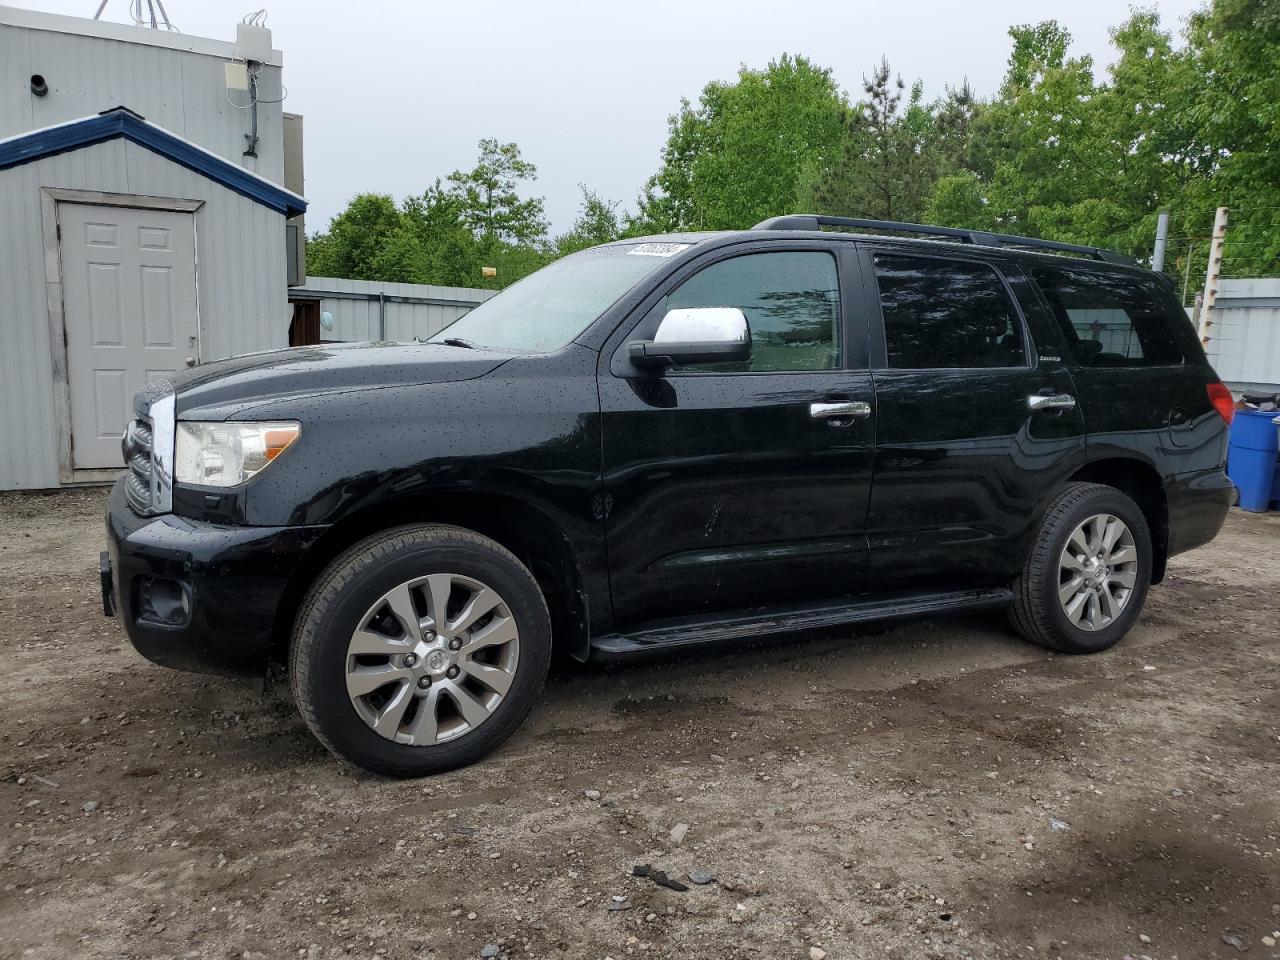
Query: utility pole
(1213, 273)
(1186, 273)
(1162, 239)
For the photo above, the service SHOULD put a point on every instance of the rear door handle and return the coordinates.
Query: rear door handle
(858, 409)
(1051, 401)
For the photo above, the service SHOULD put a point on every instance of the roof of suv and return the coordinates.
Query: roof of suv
(926, 236)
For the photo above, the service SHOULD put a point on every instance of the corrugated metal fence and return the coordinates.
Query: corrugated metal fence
(1243, 339)
(372, 310)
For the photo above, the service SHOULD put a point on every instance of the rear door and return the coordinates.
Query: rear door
(1140, 369)
(975, 425)
(728, 486)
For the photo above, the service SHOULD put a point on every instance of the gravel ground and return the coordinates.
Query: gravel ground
(938, 789)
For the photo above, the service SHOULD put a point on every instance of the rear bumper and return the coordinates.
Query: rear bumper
(198, 596)
(1198, 506)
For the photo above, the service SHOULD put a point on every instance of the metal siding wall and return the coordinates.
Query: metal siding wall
(28, 437)
(15, 77)
(1244, 341)
(424, 320)
(182, 91)
(243, 297)
(357, 320)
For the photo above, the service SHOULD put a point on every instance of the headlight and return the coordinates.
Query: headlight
(226, 454)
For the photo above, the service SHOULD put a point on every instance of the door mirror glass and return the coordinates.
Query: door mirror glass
(696, 335)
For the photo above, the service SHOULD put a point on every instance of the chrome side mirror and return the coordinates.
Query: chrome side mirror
(695, 335)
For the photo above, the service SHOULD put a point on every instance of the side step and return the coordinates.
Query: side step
(774, 622)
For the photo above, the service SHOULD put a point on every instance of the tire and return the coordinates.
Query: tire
(354, 631)
(1047, 588)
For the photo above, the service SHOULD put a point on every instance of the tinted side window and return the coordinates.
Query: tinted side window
(946, 314)
(1113, 320)
(791, 302)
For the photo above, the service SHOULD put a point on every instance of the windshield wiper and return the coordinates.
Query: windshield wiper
(459, 342)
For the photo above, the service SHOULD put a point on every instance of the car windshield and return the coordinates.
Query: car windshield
(547, 309)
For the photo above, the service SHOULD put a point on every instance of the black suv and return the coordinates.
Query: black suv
(666, 442)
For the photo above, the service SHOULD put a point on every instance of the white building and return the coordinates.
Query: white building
(141, 229)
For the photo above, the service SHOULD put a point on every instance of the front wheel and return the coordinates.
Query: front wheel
(1086, 576)
(419, 650)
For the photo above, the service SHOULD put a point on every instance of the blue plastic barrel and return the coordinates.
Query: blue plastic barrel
(1275, 483)
(1252, 455)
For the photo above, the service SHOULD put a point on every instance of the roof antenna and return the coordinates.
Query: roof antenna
(149, 20)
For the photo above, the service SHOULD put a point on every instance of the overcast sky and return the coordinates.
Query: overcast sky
(396, 94)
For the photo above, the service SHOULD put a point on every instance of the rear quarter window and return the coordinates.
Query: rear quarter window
(1115, 320)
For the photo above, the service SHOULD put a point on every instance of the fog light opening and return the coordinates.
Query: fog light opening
(164, 601)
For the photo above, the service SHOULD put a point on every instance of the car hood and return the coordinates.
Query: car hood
(227, 388)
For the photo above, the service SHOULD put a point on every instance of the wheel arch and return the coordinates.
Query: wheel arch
(1143, 484)
(528, 532)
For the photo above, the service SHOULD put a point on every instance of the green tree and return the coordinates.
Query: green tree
(445, 235)
(960, 200)
(957, 117)
(355, 239)
(1063, 154)
(597, 222)
(1049, 148)
(895, 148)
(1037, 49)
(738, 156)
(1233, 49)
(868, 179)
(669, 200)
(492, 204)
(447, 251)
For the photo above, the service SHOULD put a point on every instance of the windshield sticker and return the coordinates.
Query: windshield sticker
(657, 249)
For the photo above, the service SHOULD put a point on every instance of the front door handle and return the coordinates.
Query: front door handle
(839, 409)
(1051, 401)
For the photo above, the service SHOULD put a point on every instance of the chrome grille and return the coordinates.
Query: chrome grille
(137, 451)
(147, 446)
(142, 426)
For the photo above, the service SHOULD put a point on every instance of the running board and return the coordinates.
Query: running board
(775, 622)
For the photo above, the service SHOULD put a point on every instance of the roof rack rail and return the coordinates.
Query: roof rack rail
(982, 238)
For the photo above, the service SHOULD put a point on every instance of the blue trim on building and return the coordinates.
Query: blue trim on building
(121, 122)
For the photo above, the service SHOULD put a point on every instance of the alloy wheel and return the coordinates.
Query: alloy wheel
(1097, 571)
(432, 659)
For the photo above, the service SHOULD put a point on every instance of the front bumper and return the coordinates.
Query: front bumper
(194, 595)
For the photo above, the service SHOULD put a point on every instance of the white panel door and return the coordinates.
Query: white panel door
(129, 305)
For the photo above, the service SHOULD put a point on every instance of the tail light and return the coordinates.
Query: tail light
(1222, 401)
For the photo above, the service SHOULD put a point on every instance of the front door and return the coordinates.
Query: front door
(726, 486)
(129, 308)
(965, 461)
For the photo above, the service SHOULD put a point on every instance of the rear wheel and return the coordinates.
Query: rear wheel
(420, 650)
(1086, 577)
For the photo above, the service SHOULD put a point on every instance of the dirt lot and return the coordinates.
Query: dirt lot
(938, 789)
